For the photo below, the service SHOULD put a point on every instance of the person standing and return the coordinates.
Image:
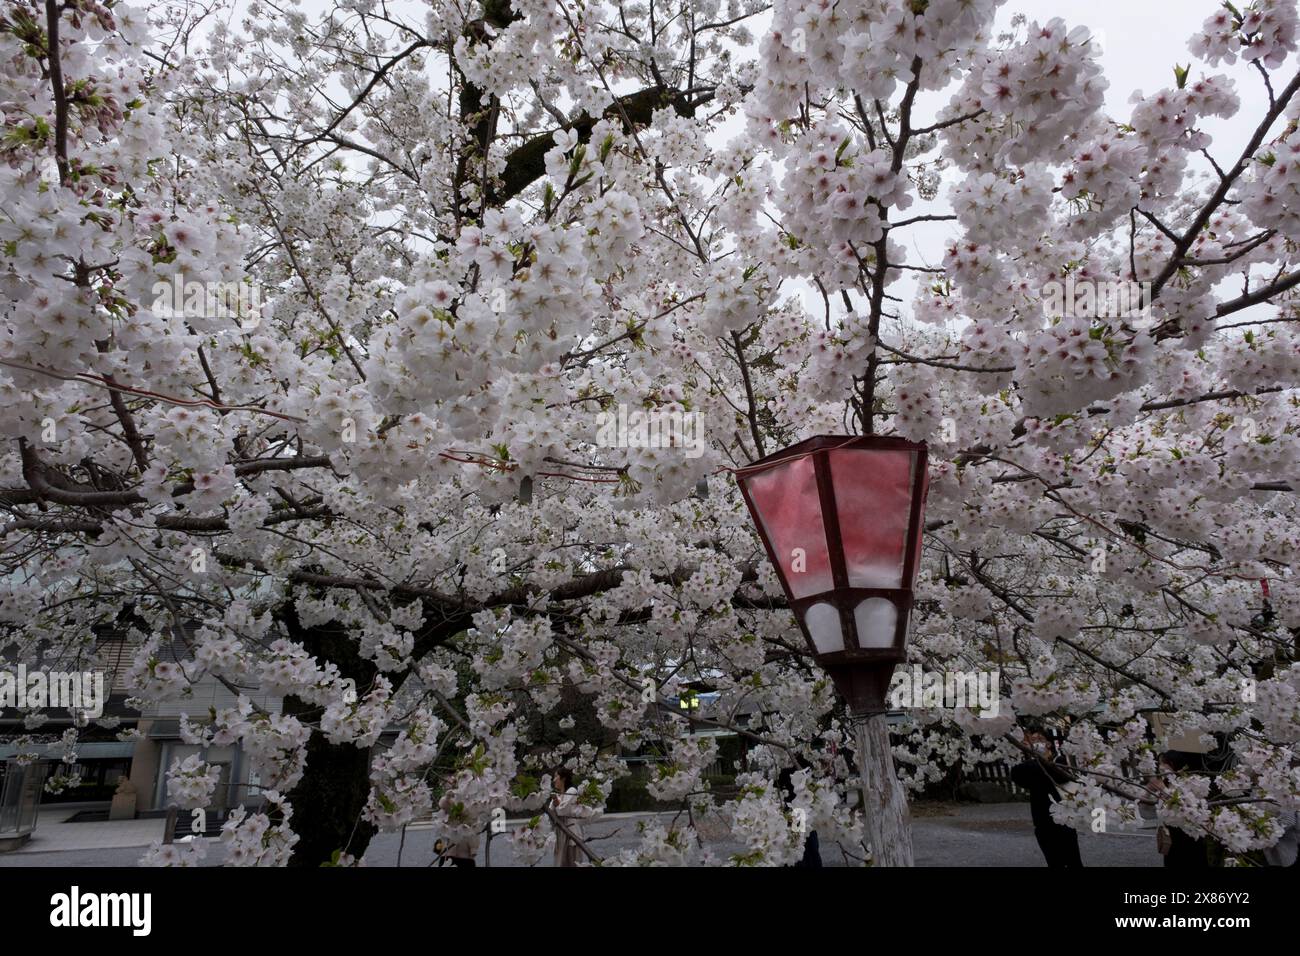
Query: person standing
(1180, 849)
(569, 810)
(812, 856)
(1039, 776)
(1286, 852)
(463, 852)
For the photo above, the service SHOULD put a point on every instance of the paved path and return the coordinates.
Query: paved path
(1000, 834)
(964, 835)
(54, 834)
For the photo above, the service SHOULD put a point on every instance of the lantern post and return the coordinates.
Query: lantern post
(841, 519)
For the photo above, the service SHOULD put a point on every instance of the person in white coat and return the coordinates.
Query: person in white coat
(1286, 852)
(570, 812)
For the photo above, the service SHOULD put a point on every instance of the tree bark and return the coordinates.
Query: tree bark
(328, 800)
(526, 163)
(888, 825)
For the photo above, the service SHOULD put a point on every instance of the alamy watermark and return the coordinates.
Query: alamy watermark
(915, 687)
(239, 301)
(1093, 299)
(656, 428)
(78, 692)
(74, 909)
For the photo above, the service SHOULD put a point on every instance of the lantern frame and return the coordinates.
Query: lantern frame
(861, 674)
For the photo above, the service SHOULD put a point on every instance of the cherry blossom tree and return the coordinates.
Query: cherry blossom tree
(311, 321)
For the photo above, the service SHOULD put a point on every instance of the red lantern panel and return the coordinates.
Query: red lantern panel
(788, 507)
(873, 495)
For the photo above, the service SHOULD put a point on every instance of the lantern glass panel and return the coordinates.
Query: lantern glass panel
(920, 530)
(823, 623)
(873, 495)
(877, 622)
(790, 510)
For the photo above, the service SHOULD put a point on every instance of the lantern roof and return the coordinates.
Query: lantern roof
(826, 442)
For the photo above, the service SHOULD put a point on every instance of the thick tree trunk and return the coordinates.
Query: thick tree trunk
(328, 800)
(888, 829)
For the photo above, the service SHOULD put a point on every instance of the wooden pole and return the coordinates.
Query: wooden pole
(888, 825)
(169, 826)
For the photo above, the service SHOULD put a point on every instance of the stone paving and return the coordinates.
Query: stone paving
(964, 835)
(54, 834)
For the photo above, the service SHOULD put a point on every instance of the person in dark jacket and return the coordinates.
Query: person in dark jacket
(1183, 850)
(812, 856)
(1039, 777)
